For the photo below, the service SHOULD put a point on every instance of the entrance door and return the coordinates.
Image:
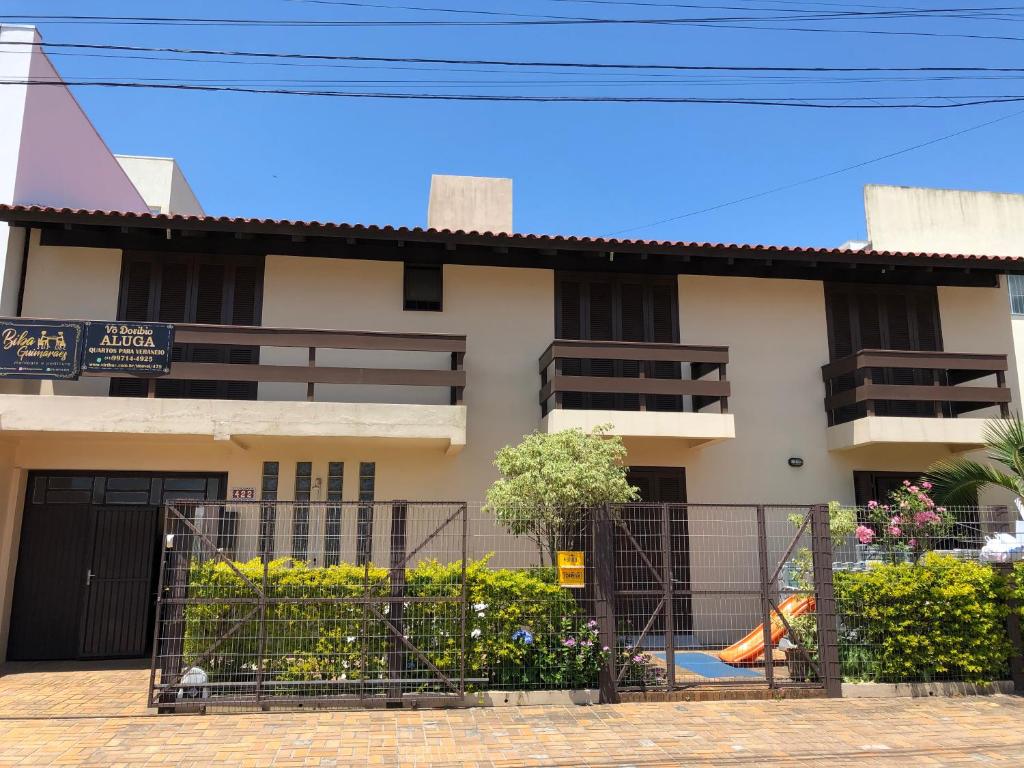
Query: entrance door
(119, 581)
(86, 580)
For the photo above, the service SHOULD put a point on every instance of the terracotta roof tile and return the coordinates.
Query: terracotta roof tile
(28, 212)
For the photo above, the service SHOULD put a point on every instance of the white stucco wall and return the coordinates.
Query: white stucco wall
(161, 183)
(50, 153)
(944, 220)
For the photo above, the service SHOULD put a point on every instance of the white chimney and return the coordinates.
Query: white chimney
(470, 203)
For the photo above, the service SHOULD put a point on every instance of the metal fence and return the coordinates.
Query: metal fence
(933, 607)
(289, 603)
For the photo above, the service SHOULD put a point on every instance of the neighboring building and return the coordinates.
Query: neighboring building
(162, 184)
(955, 221)
(392, 363)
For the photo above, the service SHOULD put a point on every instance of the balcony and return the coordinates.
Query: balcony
(304, 384)
(885, 396)
(673, 392)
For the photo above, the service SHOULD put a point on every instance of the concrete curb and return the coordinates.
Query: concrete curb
(922, 690)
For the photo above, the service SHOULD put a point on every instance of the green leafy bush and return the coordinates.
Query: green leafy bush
(522, 630)
(939, 619)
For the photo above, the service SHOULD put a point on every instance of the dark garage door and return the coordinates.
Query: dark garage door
(85, 585)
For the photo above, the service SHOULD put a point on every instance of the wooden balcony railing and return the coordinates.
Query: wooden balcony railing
(890, 382)
(631, 375)
(312, 373)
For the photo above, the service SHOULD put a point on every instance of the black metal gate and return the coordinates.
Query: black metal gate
(694, 595)
(247, 614)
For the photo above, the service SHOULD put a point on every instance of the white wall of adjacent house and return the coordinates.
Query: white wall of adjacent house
(949, 221)
(162, 184)
(50, 153)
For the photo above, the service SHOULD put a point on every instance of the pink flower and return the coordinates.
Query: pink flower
(906, 483)
(894, 530)
(926, 485)
(914, 489)
(941, 510)
(896, 520)
(926, 517)
(913, 543)
(872, 504)
(864, 534)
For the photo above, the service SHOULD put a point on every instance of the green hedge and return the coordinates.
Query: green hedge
(940, 619)
(327, 641)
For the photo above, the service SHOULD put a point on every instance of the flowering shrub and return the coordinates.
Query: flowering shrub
(641, 670)
(522, 629)
(910, 523)
(938, 619)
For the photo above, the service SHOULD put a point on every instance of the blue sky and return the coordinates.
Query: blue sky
(578, 168)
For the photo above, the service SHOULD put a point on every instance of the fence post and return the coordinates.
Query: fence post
(604, 597)
(825, 602)
(1002, 522)
(669, 595)
(171, 636)
(396, 652)
(1013, 629)
(766, 606)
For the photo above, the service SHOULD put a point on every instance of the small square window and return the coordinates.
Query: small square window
(1016, 294)
(424, 287)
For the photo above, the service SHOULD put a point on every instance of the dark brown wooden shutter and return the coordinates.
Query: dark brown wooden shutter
(210, 290)
(663, 326)
(605, 307)
(137, 295)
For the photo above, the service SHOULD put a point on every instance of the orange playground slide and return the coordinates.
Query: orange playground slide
(752, 646)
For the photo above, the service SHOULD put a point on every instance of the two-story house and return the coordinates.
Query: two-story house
(334, 361)
(381, 363)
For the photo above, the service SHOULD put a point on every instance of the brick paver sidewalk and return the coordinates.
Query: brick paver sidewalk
(93, 718)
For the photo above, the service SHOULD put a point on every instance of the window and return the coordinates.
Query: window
(184, 288)
(424, 287)
(300, 513)
(883, 317)
(332, 521)
(604, 307)
(1016, 294)
(268, 512)
(364, 525)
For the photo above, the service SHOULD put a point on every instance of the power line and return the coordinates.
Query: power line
(859, 102)
(951, 13)
(504, 62)
(819, 177)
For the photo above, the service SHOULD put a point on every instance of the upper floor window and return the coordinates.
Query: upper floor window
(612, 307)
(188, 288)
(423, 287)
(1016, 294)
(881, 317)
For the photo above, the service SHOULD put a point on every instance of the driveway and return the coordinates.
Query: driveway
(92, 715)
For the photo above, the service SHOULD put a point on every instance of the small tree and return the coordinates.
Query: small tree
(549, 479)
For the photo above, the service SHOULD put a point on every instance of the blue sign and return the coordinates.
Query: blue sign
(40, 349)
(143, 349)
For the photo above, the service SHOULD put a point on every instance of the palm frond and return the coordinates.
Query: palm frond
(957, 481)
(1004, 439)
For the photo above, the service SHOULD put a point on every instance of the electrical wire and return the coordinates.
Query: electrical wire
(819, 177)
(502, 62)
(857, 102)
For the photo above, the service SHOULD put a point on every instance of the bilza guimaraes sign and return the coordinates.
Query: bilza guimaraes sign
(139, 348)
(39, 349)
(51, 349)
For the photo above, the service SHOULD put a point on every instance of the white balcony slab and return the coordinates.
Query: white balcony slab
(693, 429)
(233, 419)
(962, 434)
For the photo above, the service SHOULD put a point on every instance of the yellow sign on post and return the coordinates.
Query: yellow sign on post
(570, 569)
